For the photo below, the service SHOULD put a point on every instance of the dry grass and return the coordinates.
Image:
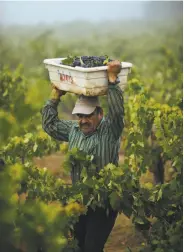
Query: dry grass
(123, 235)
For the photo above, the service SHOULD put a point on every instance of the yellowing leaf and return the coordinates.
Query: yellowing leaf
(159, 194)
(148, 185)
(35, 147)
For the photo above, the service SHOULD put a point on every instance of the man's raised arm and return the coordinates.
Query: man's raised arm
(53, 126)
(115, 101)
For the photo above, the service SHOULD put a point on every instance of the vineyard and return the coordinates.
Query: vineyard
(38, 208)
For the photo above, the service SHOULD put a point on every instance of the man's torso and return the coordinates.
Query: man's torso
(100, 144)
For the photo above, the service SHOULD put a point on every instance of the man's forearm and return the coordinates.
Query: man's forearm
(116, 109)
(115, 101)
(50, 116)
(58, 129)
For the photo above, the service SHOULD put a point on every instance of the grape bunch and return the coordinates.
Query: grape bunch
(86, 61)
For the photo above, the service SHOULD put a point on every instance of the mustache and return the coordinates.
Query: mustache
(84, 124)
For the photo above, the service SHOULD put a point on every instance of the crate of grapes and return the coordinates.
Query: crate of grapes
(85, 75)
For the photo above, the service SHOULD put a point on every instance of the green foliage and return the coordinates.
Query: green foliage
(21, 149)
(144, 117)
(69, 60)
(37, 209)
(33, 221)
(14, 108)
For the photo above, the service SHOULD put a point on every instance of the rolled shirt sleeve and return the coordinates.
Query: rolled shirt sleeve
(115, 117)
(52, 125)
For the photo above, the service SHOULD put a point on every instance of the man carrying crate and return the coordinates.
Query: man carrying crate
(98, 136)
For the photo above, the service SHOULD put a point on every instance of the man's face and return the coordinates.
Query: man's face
(89, 123)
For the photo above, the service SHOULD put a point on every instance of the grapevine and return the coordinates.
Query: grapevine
(38, 209)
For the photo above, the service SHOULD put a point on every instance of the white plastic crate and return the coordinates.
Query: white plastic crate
(87, 81)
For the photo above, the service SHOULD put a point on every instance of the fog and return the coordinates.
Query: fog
(43, 12)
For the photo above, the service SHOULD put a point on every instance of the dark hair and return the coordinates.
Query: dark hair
(99, 110)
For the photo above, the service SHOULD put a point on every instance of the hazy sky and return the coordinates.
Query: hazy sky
(33, 12)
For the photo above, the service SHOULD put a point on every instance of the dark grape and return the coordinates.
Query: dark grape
(88, 61)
